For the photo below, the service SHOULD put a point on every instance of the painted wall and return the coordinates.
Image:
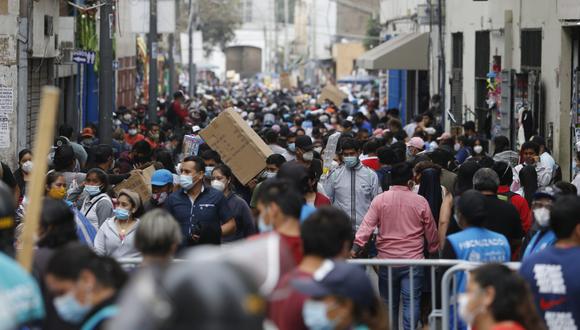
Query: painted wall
(469, 17)
(9, 76)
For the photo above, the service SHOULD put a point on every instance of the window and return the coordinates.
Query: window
(482, 67)
(247, 11)
(457, 60)
(531, 49)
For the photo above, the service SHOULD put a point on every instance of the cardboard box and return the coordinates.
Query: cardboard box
(285, 82)
(332, 93)
(139, 183)
(238, 145)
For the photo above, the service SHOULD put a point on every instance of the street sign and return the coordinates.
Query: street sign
(83, 57)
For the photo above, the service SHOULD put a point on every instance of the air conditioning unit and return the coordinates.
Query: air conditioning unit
(66, 52)
(424, 15)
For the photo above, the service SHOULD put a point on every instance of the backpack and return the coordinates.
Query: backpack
(507, 196)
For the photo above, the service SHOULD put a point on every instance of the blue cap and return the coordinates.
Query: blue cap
(338, 279)
(161, 178)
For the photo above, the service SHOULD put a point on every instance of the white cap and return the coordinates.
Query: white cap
(196, 129)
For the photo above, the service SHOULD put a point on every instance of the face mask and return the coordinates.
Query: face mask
(262, 226)
(464, 313)
(292, 147)
(308, 156)
(218, 185)
(186, 181)
(127, 117)
(27, 166)
(121, 214)
(57, 193)
(456, 147)
(92, 190)
(269, 175)
(69, 309)
(154, 136)
(318, 150)
(133, 132)
(208, 170)
(117, 122)
(477, 149)
(159, 198)
(542, 216)
(315, 316)
(350, 161)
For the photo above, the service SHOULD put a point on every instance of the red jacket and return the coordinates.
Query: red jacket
(371, 162)
(521, 206)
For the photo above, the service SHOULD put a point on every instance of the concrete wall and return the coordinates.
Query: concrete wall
(344, 55)
(44, 46)
(469, 17)
(352, 22)
(9, 76)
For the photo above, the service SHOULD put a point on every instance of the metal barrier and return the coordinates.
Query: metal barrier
(448, 298)
(413, 264)
(448, 284)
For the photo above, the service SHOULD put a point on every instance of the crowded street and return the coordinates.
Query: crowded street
(290, 164)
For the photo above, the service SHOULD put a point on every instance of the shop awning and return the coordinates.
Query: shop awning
(405, 52)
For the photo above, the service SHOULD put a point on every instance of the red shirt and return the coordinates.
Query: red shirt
(521, 206)
(294, 245)
(180, 111)
(131, 140)
(372, 162)
(285, 308)
(321, 200)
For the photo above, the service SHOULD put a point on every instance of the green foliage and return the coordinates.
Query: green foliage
(373, 33)
(218, 19)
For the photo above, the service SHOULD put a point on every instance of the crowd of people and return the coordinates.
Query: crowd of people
(388, 191)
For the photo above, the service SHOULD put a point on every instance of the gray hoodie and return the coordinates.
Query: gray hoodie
(109, 243)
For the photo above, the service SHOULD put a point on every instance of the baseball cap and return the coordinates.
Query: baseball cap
(196, 129)
(338, 279)
(550, 192)
(161, 178)
(445, 136)
(416, 142)
(304, 142)
(87, 132)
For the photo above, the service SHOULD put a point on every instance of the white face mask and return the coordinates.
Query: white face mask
(27, 166)
(218, 185)
(456, 147)
(308, 156)
(464, 313)
(132, 132)
(542, 216)
(478, 149)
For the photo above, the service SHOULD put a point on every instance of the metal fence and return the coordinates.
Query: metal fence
(449, 291)
(429, 265)
(439, 318)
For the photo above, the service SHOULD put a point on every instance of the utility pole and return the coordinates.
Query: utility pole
(172, 37)
(441, 69)
(152, 50)
(193, 8)
(286, 18)
(106, 73)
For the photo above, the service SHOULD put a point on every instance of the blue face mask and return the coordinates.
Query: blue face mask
(186, 181)
(314, 315)
(350, 161)
(208, 171)
(69, 309)
(92, 190)
(121, 214)
(292, 147)
(262, 226)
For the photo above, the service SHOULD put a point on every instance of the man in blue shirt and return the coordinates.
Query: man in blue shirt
(200, 210)
(553, 272)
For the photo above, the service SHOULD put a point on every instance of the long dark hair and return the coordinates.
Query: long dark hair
(430, 188)
(513, 299)
(58, 224)
(529, 182)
